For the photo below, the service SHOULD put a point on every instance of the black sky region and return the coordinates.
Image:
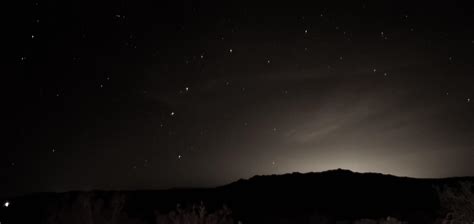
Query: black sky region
(154, 94)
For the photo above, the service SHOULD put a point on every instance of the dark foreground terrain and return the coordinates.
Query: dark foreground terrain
(338, 196)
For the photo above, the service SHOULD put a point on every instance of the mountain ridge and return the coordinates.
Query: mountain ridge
(336, 195)
(252, 178)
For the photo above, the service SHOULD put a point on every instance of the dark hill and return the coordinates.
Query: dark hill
(337, 196)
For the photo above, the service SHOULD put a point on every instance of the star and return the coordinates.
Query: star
(6, 204)
(385, 74)
(305, 31)
(230, 50)
(375, 70)
(53, 150)
(32, 36)
(468, 100)
(172, 113)
(268, 61)
(179, 156)
(186, 89)
(202, 56)
(101, 86)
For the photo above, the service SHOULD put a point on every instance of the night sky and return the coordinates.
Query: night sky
(150, 95)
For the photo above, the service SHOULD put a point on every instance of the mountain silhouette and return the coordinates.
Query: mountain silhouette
(335, 196)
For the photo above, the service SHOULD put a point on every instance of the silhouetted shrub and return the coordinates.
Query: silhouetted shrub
(457, 203)
(197, 214)
(90, 208)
